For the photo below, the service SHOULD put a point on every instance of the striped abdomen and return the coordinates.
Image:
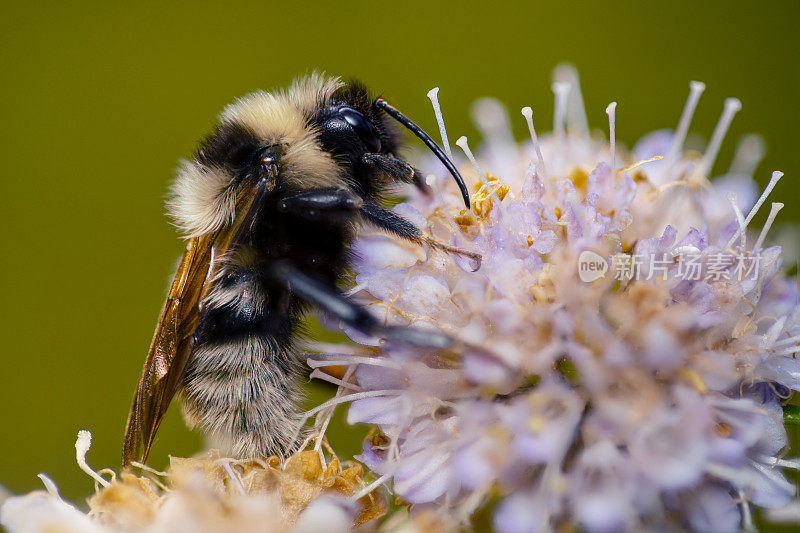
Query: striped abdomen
(240, 385)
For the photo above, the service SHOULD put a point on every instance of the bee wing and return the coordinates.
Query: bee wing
(172, 341)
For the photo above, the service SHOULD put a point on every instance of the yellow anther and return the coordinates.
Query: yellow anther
(482, 200)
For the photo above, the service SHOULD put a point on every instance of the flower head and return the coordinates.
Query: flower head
(620, 356)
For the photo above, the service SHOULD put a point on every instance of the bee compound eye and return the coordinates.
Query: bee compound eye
(366, 131)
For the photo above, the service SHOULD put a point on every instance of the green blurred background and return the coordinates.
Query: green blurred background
(99, 101)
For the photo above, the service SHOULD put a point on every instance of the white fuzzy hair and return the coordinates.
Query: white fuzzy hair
(200, 199)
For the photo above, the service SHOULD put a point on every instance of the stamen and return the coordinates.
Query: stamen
(790, 340)
(527, 112)
(50, 485)
(748, 154)
(433, 95)
(776, 176)
(352, 360)
(491, 119)
(333, 348)
(642, 162)
(732, 106)
(747, 513)
(329, 416)
(777, 461)
(462, 143)
(372, 486)
(319, 374)
(696, 88)
(560, 92)
(150, 469)
(739, 218)
(788, 351)
(82, 445)
(612, 119)
(354, 290)
(226, 466)
(576, 111)
(349, 398)
(773, 212)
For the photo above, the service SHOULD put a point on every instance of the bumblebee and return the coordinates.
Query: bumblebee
(269, 204)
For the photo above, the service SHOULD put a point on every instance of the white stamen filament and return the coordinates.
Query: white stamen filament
(82, 445)
(790, 340)
(576, 111)
(773, 212)
(372, 486)
(491, 118)
(739, 218)
(612, 136)
(788, 351)
(527, 112)
(150, 469)
(50, 485)
(332, 348)
(748, 154)
(696, 88)
(776, 461)
(354, 290)
(776, 176)
(350, 398)
(323, 376)
(329, 415)
(639, 163)
(462, 143)
(732, 106)
(433, 95)
(226, 466)
(747, 513)
(352, 360)
(560, 92)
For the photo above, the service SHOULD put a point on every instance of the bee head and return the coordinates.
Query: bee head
(353, 124)
(350, 125)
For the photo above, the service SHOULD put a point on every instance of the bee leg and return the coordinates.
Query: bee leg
(330, 300)
(385, 219)
(310, 204)
(397, 169)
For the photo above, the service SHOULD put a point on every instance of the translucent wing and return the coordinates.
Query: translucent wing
(172, 341)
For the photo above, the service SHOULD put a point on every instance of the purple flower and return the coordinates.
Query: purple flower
(640, 401)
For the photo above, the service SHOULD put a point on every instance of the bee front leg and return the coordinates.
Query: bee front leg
(330, 300)
(385, 219)
(310, 204)
(397, 169)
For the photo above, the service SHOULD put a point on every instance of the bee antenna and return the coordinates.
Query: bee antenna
(416, 130)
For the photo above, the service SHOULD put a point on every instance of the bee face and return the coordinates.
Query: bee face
(352, 124)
